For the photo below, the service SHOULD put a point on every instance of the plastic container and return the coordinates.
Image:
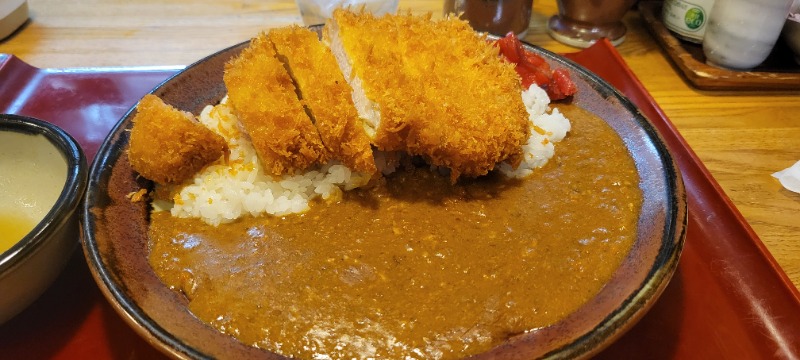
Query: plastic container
(742, 33)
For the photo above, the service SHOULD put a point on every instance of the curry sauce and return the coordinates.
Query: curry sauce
(415, 267)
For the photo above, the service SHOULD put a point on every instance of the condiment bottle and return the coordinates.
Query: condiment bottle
(498, 17)
(742, 33)
(687, 19)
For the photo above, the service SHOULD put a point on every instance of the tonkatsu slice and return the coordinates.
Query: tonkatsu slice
(431, 88)
(168, 145)
(326, 95)
(264, 98)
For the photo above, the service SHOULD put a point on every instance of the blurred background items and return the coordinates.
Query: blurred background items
(317, 11)
(13, 13)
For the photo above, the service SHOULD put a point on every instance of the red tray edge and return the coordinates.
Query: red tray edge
(692, 164)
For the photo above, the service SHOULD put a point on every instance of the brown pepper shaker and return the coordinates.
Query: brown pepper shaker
(581, 23)
(498, 17)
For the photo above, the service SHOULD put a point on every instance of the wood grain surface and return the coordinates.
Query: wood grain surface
(741, 136)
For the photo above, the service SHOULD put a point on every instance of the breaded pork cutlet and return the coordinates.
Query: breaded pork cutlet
(264, 98)
(432, 88)
(326, 95)
(169, 146)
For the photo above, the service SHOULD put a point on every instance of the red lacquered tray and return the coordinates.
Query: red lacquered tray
(728, 299)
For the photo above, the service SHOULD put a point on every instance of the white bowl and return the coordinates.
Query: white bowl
(43, 175)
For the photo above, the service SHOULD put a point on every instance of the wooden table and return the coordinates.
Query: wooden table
(742, 137)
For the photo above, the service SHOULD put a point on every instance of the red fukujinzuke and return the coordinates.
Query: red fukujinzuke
(533, 69)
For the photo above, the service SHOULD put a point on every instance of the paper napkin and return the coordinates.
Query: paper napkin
(790, 178)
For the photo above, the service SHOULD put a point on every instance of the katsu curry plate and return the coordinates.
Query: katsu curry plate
(389, 187)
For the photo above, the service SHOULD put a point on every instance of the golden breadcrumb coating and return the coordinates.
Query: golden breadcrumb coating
(264, 98)
(326, 95)
(169, 146)
(443, 91)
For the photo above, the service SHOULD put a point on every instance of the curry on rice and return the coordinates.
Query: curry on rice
(415, 266)
(391, 224)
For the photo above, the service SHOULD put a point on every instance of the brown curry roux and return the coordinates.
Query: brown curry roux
(416, 266)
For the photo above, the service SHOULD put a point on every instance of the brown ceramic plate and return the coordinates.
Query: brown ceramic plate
(115, 239)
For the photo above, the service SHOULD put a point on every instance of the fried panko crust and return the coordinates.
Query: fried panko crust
(442, 90)
(169, 146)
(326, 95)
(265, 100)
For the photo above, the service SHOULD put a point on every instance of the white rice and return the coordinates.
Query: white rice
(548, 126)
(228, 190)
